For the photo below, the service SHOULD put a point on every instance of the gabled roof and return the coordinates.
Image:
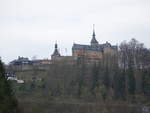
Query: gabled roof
(98, 47)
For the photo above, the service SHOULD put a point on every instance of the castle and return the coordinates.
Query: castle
(94, 51)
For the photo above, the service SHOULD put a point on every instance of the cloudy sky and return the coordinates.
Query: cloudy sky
(31, 27)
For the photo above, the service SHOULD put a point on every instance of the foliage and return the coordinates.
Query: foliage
(119, 85)
(119, 77)
(146, 81)
(95, 78)
(8, 103)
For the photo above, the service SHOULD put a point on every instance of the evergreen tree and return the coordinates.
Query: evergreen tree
(146, 81)
(81, 74)
(106, 80)
(131, 80)
(8, 103)
(119, 85)
(95, 78)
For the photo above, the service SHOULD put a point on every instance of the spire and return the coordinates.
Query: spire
(55, 45)
(94, 41)
(94, 30)
(56, 52)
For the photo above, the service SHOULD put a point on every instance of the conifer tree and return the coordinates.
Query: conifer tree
(131, 80)
(8, 103)
(81, 74)
(95, 77)
(119, 85)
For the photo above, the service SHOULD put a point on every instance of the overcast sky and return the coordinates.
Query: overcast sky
(31, 27)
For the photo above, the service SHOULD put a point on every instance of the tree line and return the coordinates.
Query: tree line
(122, 75)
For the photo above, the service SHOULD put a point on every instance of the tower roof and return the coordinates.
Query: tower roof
(56, 52)
(94, 41)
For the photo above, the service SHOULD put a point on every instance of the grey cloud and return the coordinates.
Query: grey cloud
(39, 23)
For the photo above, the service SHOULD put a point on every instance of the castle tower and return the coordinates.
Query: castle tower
(94, 42)
(56, 52)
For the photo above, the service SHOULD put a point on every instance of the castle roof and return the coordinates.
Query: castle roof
(86, 47)
(56, 52)
(93, 37)
(20, 60)
(94, 40)
(98, 47)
